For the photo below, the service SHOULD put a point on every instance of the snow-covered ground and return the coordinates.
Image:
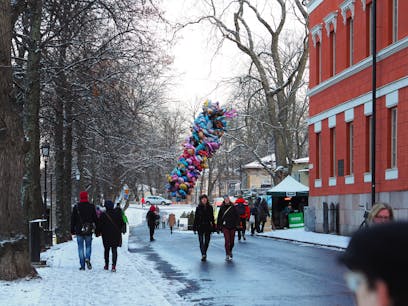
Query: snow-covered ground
(136, 281)
(300, 235)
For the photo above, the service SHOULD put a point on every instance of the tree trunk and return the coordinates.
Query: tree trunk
(68, 167)
(61, 216)
(14, 258)
(33, 204)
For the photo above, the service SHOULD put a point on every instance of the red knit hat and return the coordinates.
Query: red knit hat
(240, 200)
(83, 196)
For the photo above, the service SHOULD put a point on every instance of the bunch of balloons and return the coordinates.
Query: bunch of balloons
(205, 140)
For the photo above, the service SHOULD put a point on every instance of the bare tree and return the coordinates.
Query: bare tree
(276, 68)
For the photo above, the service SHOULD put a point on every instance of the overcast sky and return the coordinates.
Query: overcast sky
(198, 72)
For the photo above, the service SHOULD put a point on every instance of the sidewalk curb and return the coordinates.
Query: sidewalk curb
(306, 242)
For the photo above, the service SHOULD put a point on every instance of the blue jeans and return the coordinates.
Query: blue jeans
(88, 244)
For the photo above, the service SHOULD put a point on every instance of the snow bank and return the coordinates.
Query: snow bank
(300, 235)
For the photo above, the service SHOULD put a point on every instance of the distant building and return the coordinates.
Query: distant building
(255, 174)
(300, 170)
(340, 92)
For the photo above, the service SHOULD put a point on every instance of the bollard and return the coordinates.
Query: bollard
(35, 239)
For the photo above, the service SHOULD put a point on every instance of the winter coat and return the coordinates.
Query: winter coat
(83, 212)
(247, 212)
(151, 218)
(263, 211)
(204, 218)
(110, 227)
(172, 220)
(228, 219)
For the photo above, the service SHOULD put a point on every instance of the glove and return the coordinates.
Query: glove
(195, 233)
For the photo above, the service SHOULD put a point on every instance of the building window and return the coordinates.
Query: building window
(394, 20)
(318, 156)
(350, 41)
(332, 53)
(350, 148)
(393, 138)
(318, 62)
(369, 142)
(369, 27)
(332, 152)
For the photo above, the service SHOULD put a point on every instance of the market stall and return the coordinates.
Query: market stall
(288, 199)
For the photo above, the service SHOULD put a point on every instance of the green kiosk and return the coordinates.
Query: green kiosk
(288, 192)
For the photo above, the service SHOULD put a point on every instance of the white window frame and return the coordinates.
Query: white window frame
(394, 137)
(351, 41)
(319, 55)
(351, 148)
(370, 29)
(370, 142)
(319, 155)
(333, 148)
(394, 21)
(333, 46)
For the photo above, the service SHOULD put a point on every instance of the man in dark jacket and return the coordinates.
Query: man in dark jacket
(263, 213)
(83, 217)
(228, 222)
(204, 224)
(110, 225)
(151, 218)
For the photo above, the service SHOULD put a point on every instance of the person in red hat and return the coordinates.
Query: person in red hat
(83, 220)
(244, 214)
(151, 218)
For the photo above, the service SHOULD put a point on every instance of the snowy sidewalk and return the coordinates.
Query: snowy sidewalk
(136, 281)
(300, 235)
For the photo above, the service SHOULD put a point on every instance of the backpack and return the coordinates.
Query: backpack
(241, 208)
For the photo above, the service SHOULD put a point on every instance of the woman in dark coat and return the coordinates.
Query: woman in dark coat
(204, 224)
(263, 213)
(110, 226)
(151, 218)
(228, 222)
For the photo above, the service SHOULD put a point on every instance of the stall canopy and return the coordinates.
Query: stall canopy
(289, 187)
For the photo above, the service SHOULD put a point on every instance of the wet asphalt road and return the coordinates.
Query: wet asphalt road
(263, 272)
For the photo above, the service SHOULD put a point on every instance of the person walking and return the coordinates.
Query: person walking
(151, 218)
(204, 224)
(263, 212)
(257, 208)
(253, 218)
(228, 222)
(83, 220)
(157, 212)
(164, 221)
(143, 202)
(110, 227)
(171, 222)
(244, 214)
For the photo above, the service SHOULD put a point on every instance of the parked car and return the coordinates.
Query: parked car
(156, 200)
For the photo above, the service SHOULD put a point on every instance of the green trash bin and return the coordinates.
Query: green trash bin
(296, 220)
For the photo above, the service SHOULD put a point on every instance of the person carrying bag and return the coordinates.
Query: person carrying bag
(110, 226)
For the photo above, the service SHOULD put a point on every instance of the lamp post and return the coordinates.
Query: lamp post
(45, 151)
(78, 178)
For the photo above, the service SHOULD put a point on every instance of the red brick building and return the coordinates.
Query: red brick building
(340, 93)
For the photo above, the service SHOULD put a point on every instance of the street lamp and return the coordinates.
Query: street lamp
(78, 178)
(45, 151)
